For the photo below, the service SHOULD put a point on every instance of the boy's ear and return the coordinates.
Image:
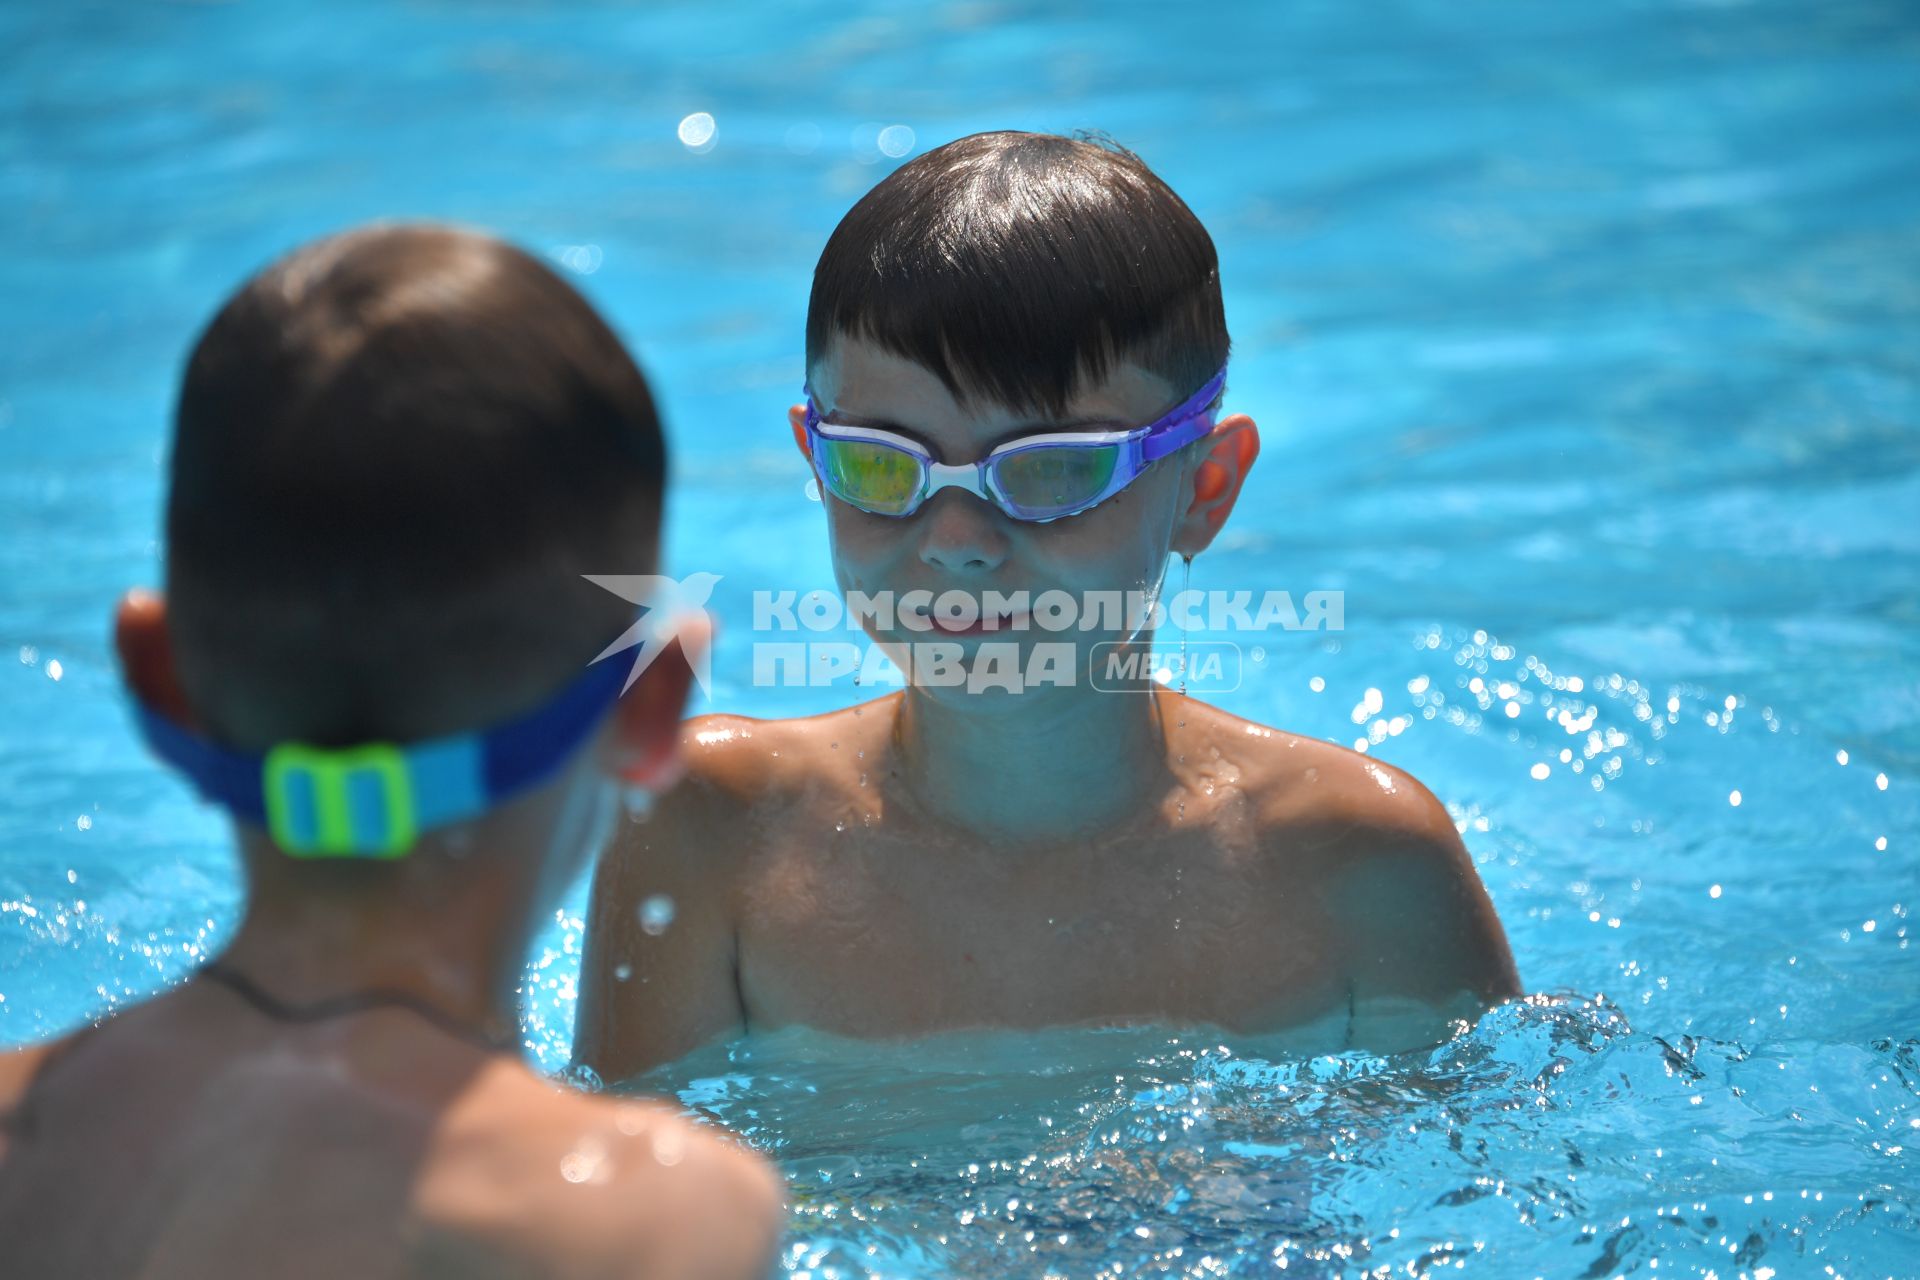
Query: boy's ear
(797, 416)
(1229, 453)
(146, 654)
(647, 721)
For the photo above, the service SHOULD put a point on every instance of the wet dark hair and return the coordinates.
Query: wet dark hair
(1016, 265)
(396, 452)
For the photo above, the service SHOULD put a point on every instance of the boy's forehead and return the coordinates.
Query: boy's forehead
(860, 378)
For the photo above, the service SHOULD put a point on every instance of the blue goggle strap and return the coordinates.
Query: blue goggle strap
(373, 800)
(1166, 436)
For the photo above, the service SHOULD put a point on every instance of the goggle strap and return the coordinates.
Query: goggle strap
(371, 800)
(1167, 435)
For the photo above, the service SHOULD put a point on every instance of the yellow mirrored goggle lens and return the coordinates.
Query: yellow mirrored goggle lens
(873, 477)
(1055, 479)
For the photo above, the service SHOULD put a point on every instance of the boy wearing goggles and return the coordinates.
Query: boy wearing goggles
(396, 452)
(1036, 322)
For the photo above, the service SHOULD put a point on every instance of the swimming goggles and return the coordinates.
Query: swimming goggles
(374, 800)
(1036, 478)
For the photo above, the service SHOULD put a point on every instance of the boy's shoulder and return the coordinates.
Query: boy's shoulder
(1378, 853)
(1318, 795)
(497, 1169)
(18, 1067)
(521, 1167)
(737, 771)
(737, 759)
(18, 1070)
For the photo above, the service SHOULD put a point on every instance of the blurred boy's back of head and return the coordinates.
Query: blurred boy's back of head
(397, 451)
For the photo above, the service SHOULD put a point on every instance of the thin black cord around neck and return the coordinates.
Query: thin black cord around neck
(342, 1006)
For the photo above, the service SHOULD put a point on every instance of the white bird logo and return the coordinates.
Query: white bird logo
(664, 601)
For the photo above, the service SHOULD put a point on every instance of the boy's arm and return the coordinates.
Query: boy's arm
(1424, 944)
(650, 992)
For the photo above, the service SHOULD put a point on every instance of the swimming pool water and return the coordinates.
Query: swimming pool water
(1583, 343)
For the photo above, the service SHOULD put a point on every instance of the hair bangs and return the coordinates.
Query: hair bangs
(1018, 267)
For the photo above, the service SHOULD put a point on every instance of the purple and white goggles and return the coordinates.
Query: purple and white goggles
(1035, 478)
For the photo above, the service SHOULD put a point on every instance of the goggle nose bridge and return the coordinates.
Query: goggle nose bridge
(970, 476)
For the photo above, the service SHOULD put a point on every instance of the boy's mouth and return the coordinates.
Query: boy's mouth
(984, 624)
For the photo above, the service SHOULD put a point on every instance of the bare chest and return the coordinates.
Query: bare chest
(873, 933)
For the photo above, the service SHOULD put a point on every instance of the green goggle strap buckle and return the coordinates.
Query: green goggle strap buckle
(356, 802)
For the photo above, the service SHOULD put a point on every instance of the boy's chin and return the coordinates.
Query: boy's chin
(995, 670)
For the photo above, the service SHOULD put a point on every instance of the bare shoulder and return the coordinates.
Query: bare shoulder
(739, 773)
(740, 759)
(649, 993)
(1318, 794)
(19, 1068)
(1384, 858)
(569, 1184)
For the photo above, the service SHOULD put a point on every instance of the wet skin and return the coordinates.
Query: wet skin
(193, 1138)
(939, 858)
(393, 1129)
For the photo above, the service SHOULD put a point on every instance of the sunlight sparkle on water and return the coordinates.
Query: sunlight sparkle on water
(698, 132)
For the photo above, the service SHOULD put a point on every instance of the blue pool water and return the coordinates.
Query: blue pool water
(1583, 341)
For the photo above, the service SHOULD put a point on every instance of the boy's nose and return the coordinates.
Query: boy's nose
(961, 534)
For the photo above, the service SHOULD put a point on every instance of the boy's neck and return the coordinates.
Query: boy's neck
(1038, 766)
(443, 934)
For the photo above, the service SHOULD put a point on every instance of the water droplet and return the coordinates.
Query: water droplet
(621, 972)
(698, 132)
(656, 913)
(584, 1161)
(895, 141)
